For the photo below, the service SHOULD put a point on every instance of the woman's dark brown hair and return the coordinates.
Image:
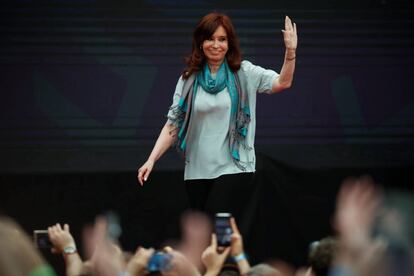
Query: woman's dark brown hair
(204, 30)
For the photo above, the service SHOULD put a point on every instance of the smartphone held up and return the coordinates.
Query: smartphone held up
(223, 229)
(159, 261)
(41, 239)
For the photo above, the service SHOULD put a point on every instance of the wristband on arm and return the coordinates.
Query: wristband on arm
(240, 257)
(69, 250)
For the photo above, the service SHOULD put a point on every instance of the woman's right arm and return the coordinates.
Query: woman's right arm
(166, 139)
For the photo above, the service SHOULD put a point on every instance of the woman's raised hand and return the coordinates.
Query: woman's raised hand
(144, 172)
(290, 34)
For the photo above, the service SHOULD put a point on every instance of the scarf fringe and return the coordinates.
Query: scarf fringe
(176, 117)
(241, 165)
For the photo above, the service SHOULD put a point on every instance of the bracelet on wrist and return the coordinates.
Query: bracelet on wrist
(240, 257)
(69, 250)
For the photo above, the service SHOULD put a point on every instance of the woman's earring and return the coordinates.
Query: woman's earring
(201, 47)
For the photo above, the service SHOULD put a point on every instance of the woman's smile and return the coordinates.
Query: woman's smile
(216, 47)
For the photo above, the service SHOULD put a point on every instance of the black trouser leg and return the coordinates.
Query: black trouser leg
(198, 191)
(230, 193)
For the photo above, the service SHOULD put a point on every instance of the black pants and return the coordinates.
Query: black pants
(228, 193)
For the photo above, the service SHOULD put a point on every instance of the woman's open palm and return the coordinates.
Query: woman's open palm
(290, 34)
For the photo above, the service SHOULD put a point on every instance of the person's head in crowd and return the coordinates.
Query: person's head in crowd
(18, 255)
(263, 270)
(180, 264)
(321, 254)
(229, 272)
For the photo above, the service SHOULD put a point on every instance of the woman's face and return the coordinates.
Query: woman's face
(215, 48)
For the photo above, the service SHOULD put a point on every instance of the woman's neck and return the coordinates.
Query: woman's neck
(214, 66)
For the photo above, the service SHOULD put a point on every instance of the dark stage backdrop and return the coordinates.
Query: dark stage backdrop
(85, 86)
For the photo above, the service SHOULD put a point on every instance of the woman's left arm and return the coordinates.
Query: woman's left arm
(290, 37)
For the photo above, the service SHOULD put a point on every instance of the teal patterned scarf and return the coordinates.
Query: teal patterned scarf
(240, 112)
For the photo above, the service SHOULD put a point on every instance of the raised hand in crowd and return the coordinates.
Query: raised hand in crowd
(358, 203)
(137, 265)
(64, 243)
(61, 238)
(212, 259)
(106, 258)
(237, 250)
(180, 265)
